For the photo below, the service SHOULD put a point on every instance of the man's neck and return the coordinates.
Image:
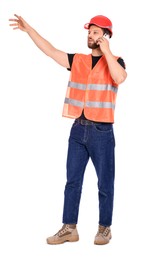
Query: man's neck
(97, 52)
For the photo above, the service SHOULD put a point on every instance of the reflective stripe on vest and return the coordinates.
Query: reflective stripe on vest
(102, 87)
(92, 86)
(89, 103)
(76, 85)
(100, 104)
(74, 102)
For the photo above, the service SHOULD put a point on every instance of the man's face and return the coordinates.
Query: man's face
(94, 33)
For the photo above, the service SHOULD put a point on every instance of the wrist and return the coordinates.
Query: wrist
(108, 53)
(30, 31)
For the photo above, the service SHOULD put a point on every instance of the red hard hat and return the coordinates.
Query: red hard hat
(100, 21)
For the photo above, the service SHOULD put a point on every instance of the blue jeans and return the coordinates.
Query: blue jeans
(95, 141)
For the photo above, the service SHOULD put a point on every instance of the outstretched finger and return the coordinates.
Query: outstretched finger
(18, 16)
(13, 20)
(15, 25)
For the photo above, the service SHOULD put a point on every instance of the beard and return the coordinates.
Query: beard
(93, 45)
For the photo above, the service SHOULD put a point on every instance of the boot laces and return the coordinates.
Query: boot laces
(63, 230)
(103, 230)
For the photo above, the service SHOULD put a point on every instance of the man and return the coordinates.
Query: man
(90, 100)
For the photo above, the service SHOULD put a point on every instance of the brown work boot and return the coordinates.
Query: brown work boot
(103, 235)
(66, 233)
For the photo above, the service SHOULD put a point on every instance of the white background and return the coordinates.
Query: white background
(34, 135)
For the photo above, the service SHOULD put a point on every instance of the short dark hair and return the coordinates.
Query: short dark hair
(106, 31)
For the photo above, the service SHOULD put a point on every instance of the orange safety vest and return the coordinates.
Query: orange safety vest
(93, 90)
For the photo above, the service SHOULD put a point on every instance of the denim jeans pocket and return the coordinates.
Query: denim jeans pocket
(104, 127)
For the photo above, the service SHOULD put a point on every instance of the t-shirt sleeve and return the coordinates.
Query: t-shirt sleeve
(70, 59)
(121, 62)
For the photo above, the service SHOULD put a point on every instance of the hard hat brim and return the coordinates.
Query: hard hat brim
(87, 25)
